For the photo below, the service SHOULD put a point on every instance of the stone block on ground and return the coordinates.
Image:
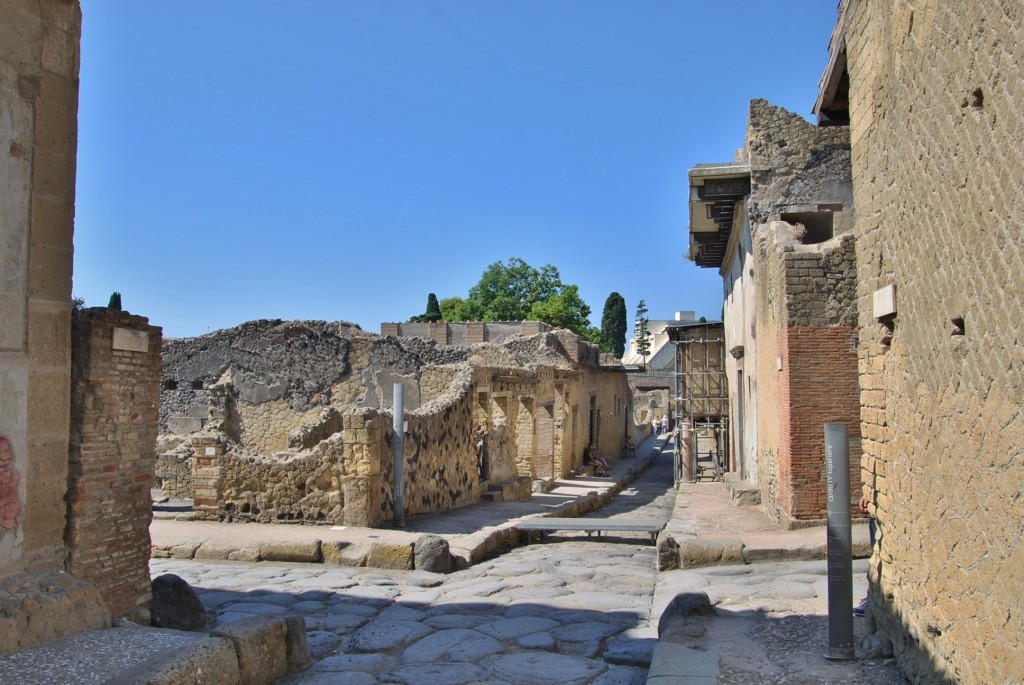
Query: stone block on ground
(431, 553)
(261, 648)
(668, 552)
(698, 553)
(744, 494)
(344, 554)
(307, 552)
(297, 647)
(682, 606)
(38, 608)
(206, 661)
(175, 605)
(391, 555)
(672, 664)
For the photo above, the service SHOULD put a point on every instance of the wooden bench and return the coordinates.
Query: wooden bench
(588, 525)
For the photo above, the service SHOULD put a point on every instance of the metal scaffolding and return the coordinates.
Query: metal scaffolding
(701, 400)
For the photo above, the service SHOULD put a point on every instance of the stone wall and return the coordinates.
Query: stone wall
(115, 379)
(808, 361)
(805, 312)
(322, 453)
(39, 50)
(935, 93)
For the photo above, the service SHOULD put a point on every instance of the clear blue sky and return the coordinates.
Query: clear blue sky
(339, 160)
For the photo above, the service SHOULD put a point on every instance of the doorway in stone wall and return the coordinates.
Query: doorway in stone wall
(545, 441)
(592, 426)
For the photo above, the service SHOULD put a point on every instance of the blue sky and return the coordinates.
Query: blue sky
(339, 160)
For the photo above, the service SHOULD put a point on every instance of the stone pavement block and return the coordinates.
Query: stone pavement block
(231, 552)
(301, 552)
(208, 661)
(698, 553)
(391, 555)
(681, 662)
(345, 554)
(260, 646)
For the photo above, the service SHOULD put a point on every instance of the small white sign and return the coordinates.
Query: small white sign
(211, 451)
(130, 341)
(885, 302)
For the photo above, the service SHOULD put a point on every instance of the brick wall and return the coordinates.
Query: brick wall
(806, 309)
(114, 417)
(935, 95)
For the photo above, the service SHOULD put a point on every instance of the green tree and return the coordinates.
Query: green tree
(451, 309)
(564, 310)
(613, 325)
(517, 291)
(643, 341)
(433, 312)
(115, 301)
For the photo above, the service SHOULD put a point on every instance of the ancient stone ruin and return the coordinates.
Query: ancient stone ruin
(277, 421)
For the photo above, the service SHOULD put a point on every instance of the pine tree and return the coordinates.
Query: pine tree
(115, 301)
(433, 309)
(613, 325)
(643, 342)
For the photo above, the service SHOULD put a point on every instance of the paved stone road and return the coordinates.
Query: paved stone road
(567, 610)
(570, 609)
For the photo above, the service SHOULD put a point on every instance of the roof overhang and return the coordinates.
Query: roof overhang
(832, 105)
(714, 191)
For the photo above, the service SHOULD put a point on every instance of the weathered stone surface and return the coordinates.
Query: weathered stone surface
(297, 647)
(589, 631)
(175, 604)
(432, 554)
(458, 644)
(384, 635)
(695, 553)
(390, 555)
(543, 669)
(668, 552)
(344, 554)
(627, 650)
(261, 646)
(302, 552)
(682, 606)
(36, 608)
(449, 674)
(511, 628)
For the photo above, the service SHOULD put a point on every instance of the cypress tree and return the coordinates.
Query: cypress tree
(613, 325)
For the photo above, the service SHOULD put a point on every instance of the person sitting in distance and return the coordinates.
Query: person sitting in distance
(601, 467)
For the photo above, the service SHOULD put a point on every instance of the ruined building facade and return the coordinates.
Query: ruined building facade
(292, 421)
(932, 93)
(77, 421)
(778, 225)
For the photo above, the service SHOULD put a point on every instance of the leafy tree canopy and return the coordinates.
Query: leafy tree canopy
(517, 291)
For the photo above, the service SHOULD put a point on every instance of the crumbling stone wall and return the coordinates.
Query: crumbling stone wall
(266, 453)
(935, 93)
(115, 378)
(806, 314)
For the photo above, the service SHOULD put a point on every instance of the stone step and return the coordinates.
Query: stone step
(255, 651)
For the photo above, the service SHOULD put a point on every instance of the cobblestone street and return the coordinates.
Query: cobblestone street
(569, 609)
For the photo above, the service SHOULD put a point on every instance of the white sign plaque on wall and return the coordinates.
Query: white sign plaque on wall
(131, 341)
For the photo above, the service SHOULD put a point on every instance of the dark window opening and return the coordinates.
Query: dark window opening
(817, 226)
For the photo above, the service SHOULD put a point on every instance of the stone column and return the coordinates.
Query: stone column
(115, 402)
